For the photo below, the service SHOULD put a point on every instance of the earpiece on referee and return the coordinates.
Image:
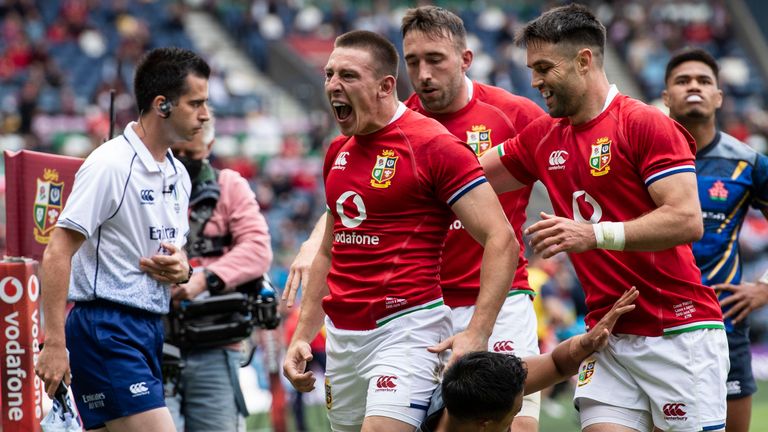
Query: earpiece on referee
(165, 109)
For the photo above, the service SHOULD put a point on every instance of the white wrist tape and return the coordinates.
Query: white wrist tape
(609, 235)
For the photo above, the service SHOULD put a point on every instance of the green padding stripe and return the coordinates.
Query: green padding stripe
(381, 321)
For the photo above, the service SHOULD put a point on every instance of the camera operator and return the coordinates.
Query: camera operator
(228, 245)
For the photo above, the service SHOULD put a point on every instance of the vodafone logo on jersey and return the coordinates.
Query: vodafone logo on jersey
(351, 209)
(557, 160)
(585, 208)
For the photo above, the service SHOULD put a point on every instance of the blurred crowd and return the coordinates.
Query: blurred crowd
(61, 59)
(647, 33)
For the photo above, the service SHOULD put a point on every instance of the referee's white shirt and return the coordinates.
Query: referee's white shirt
(125, 204)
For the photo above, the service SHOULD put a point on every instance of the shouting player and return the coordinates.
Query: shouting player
(393, 181)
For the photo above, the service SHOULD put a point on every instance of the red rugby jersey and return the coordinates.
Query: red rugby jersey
(600, 171)
(390, 194)
(491, 116)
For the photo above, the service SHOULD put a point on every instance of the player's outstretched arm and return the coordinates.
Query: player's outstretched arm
(547, 369)
(480, 212)
(310, 318)
(53, 362)
(299, 271)
(497, 174)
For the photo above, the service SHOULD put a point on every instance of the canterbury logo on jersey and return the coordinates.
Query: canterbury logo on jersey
(557, 160)
(674, 411)
(386, 383)
(505, 346)
(147, 196)
(341, 161)
(139, 389)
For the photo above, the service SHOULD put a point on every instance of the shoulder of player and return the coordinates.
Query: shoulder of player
(510, 104)
(629, 105)
(636, 111)
(497, 95)
(421, 129)
(729, 147)
(636, 117)
(413, 102)
(541, 126)
(338, 141)
(336, 145)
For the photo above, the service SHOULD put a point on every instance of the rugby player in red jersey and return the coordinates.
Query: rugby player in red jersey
(437, 59)
(622, 182)
(391, 196)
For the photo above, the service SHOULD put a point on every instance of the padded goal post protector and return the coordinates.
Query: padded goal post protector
(20, 336)
(37, 186)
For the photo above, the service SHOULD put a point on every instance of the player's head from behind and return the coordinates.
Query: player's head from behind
(193, 154)
(565, 48)
(360, 81)
(483, 391)
(172, 84)
(691, 92)
(436, 56)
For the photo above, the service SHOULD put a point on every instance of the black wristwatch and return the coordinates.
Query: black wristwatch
(189, 275)
(214, 282)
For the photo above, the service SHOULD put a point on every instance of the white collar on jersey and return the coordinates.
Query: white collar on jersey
(144, 155)
(399, 113)
(613, 91)
(470, 88)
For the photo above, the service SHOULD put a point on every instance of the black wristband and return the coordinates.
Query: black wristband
(189, 275)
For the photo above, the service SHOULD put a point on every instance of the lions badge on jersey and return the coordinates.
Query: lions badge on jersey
(479, 139)
(586, 371)
(600, 157)
(384, 169)
(48, 204)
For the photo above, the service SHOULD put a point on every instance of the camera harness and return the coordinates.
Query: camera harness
(217, 320)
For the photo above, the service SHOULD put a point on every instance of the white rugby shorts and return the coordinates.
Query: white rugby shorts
(675, 383)
(386, 371)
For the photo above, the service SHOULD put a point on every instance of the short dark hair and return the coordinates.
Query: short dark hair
(573, 24)
(382, 50)
(691, 54)
(436, 23)
(483, 385)
(163, 72)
